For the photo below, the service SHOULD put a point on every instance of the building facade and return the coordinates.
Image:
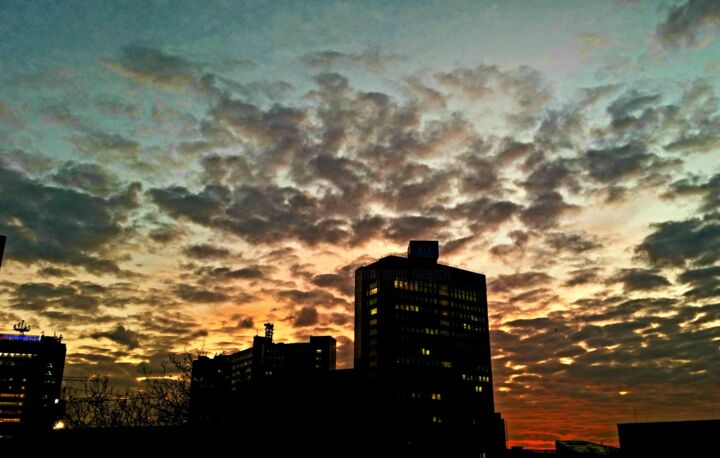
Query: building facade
(31, 371)
(423, 345)
(226, 387)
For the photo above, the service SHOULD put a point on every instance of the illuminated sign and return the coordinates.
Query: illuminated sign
(20, 337)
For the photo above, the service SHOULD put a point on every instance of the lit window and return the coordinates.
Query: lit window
(372, 291)
(425, 351)
(446, 364)
(373, 311)
(437, 419)
(478, 389)
(436, 397)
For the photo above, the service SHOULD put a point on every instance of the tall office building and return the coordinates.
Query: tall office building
(422, 343)
(31, 371)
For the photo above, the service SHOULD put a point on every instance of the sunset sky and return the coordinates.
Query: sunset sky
(174, 174)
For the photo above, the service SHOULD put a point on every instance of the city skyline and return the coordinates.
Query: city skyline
(173, 175)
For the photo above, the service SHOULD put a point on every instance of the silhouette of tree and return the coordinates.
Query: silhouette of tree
(163, 398)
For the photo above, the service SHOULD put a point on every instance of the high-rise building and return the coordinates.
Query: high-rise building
(422, 343)
(226, 387)
(31, 371)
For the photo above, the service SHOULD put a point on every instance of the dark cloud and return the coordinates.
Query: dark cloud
(120, 334)
(194, 294)
(313, 297)
(206, 251)
(24, 162)
(693, 185)
(583, 277)
(103, 146)
(677, 243)
(548, 176)
(620, 163)
(54, 272)
(546, 210)
(704, 282)
(343, 279)
(484, 213)
(572, 242)
(405, 228)
(88, 177)
(200, 208)
(512, 150)
(306, 316)
(371, 59)
(686, 23)
(225, 273)
(641, 279)
(61, 225)
(155, 67)
(525, 86)
(45, 296)
(523, 280)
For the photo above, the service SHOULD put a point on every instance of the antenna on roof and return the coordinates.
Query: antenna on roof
(269, 329)
(21, 327)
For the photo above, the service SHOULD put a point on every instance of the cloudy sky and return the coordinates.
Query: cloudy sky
(175, 174)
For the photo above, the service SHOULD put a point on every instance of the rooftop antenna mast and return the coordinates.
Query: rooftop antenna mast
(269, 329)
(21, 327)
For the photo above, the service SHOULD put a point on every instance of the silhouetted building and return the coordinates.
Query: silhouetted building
(2, 247)
(227, 386)
(31, 371)
(669, 438)
(584, 448)
(422, 343)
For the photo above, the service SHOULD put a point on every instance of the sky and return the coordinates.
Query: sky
(174, 174)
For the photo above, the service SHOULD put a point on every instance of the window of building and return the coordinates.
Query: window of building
(373, 311)
(425, 351)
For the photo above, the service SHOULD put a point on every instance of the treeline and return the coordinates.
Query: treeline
(163, 398)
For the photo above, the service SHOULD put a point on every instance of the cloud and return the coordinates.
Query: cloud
(371, 59)
(307, 316)
(677, 243)
(88, 177)
(312, 297)
(523, 280)
(61, 225)
(546, 210)
(343, 279)
(46, 296)
(193, 294)
(206, 251)
(8, 115)
(583, 277)
(693, 185)
(575, 243)
(704, 282)
(155, 67)
(105, 146)
(524, 85)
(641, 279)
(121, 335)
(687, 24)
(620, 163)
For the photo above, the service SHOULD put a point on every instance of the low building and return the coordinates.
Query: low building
(269, 373)
(669, 438)
(31, 371)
